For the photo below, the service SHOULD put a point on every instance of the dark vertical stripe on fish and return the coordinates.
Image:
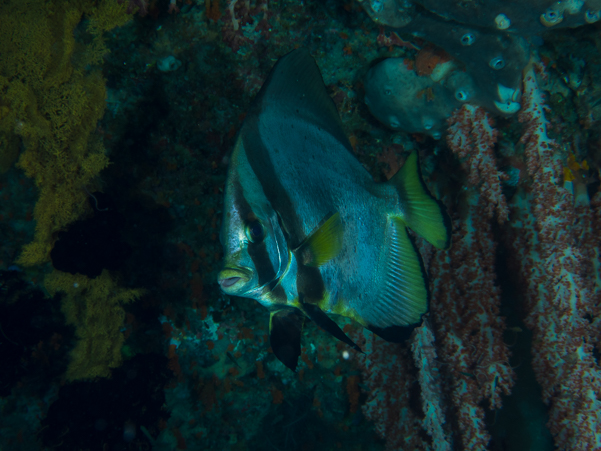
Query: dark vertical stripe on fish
(310, 283)
(262, 166)
(260, 257)
(309, 280)
(257, 251)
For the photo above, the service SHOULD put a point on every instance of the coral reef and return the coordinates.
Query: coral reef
(508, 357)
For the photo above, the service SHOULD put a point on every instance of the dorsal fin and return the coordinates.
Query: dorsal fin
(423, 213)
(295, 89)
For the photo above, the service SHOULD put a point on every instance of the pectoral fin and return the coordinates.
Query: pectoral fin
(323, 244)
(327, 323)
(285, 329)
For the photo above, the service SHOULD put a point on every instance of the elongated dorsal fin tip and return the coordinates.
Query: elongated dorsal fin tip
(295, 89)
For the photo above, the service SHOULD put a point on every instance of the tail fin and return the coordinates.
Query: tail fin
(422, 213)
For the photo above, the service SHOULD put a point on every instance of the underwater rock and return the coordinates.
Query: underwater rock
(403, 100)
(489, 47)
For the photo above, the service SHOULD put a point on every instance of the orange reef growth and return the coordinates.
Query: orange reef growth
(428, 58)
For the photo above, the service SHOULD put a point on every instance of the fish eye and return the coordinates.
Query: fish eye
(254, 232)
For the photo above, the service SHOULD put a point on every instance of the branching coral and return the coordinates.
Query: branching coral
(94, 306)
(52, 101)
(51, 97)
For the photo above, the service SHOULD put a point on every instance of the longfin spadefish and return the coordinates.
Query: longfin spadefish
(423, 213)
(285, 330)
(403, 295)
(323, 244)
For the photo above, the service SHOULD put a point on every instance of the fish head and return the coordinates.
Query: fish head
(255, 249)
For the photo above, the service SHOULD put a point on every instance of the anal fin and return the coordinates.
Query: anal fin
(403, 294)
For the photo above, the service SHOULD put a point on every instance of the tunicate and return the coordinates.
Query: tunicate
(462, 95)
(507, 107)
(497, 63)
(467, 39)
(591, 16)
(551, 17)
(508, 102)
(428, 123)
(502, 22)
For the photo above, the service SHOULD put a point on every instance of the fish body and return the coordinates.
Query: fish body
(307, 232)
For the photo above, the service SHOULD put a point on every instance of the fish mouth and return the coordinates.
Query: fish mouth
(232, 279)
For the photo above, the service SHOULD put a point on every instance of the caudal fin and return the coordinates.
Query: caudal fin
(422, 213)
